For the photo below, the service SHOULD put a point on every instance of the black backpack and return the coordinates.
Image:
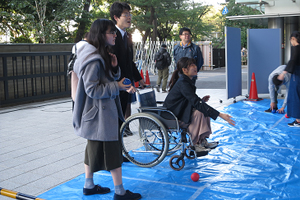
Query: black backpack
(72, 60)
(160, 61)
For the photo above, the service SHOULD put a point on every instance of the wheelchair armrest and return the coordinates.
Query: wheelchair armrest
(153, 108)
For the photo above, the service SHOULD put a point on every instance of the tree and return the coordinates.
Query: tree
(162, 18)
(83, 21)
(192, 15)
(235, 10)
(13, 21)
(144, 15)
(45, 19)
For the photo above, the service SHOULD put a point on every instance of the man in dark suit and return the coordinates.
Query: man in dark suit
(123, 49)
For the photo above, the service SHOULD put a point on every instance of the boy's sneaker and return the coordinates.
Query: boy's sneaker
(128, 196)
(157, 88)
(96, 190)
(270, 110)
(294, 124)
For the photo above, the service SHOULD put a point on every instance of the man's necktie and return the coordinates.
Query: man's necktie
(125, 39)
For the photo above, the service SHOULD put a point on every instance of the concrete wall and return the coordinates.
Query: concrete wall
(18, 48)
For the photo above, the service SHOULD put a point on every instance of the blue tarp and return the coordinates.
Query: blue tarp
(256, 159)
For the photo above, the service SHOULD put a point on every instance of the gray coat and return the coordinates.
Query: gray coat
(97, 105)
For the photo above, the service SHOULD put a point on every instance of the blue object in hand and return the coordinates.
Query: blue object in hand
(274, 111)
(126, 81)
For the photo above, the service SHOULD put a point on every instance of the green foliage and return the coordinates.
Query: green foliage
(192, 16)
(236, 10)
(43, 19)
(21, 39)
(61, 21)
(163, 18)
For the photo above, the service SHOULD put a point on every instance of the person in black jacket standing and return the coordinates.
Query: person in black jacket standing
(192, 111)
(162, 63)
(293, 67)
(123, 49)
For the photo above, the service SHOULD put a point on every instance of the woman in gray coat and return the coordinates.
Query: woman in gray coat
(97, 108)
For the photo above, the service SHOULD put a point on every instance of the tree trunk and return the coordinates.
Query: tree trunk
(148, 30)
(154, 35)
(154, 24)
(82, 23)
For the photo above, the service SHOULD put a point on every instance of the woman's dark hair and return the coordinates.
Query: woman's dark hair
(97, 38)
(117, 9)
(183, 62)
(296, 34)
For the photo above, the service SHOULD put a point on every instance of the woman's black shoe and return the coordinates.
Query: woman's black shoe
(128, 196)
(96, 190)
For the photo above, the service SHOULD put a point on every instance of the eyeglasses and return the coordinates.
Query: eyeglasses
(126, 15)
(112, 32)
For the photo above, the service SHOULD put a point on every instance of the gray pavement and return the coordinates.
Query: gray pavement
(38, 149)
(211, 79)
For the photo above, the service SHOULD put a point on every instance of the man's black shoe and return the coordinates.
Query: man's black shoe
(96, 190)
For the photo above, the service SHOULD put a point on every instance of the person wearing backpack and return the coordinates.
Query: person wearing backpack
(97, 109)
(70, 71)
(187, 49)
(162, 63)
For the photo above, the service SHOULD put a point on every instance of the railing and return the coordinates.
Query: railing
(26, 77)
(145, 52)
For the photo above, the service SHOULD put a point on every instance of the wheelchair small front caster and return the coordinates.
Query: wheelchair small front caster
(177, 162)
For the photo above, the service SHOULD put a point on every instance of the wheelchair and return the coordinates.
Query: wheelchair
(150, 135)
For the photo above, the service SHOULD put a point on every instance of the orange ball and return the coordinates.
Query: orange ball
(195, 176)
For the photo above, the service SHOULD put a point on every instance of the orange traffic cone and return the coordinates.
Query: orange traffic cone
(147, 78)
(253, 90)
(142, 75)
(136, 84)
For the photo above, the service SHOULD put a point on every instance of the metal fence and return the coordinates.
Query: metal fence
(145, 52)
(33, 76)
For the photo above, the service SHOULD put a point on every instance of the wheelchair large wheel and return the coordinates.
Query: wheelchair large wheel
(145, 140)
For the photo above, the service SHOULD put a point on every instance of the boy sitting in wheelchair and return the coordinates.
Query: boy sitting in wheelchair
(192, 111)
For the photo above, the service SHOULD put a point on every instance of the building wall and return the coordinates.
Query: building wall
(282, 6)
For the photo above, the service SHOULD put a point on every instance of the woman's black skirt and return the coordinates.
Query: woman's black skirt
(101, 155)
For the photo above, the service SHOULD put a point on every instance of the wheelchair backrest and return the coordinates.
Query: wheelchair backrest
(147, 99)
